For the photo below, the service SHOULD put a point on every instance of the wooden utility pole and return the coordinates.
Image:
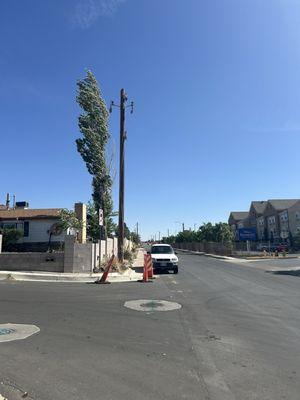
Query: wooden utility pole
(123, 100)
(122, 106)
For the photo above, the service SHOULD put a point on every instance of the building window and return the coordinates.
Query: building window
(26, 228)
(271, 220)
(9, 225)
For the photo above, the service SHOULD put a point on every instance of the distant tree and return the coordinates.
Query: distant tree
(207, 232)
(223, 233)
(135, 238)
(170, 239)
(127, 233)
(93, 124)
(186, 236)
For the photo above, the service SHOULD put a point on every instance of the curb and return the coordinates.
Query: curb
(200, 253)
(128, 276)
(238, 258)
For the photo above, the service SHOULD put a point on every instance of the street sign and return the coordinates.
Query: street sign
(101, 218)
(245, 234)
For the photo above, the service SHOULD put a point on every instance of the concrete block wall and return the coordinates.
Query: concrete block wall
(69, 253)
(45, 262)
(76, 258)
(83, 256)
(1, 243)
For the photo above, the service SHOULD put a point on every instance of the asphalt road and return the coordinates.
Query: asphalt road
(235, 337)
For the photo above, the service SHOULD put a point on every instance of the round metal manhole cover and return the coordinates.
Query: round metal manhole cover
(10, 332)
(152, 305)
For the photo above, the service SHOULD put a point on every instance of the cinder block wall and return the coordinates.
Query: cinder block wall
(78, 256)
(46, 262)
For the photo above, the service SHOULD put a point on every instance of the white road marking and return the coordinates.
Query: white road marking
(10, 332)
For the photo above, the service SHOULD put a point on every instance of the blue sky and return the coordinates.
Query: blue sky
(216, 85)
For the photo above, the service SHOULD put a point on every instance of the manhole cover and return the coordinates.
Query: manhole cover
(152, 305)
(6, 331)
(9, 332)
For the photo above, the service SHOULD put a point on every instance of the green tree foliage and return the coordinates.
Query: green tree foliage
(169, 239)
(186, 236)
(207, 232)
(127, 232)
(68, 220)
(219, 232)
(10, 235)
(93, 229)
(135, 238)
(93, 124)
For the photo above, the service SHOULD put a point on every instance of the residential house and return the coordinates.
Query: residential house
(38, 225)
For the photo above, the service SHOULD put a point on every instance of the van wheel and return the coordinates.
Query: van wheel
(175, 270)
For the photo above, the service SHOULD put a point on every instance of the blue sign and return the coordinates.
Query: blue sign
(245, 234)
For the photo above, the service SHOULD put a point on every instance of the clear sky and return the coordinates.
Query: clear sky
(216, 85)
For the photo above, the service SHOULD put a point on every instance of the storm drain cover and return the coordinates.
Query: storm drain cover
(152, 305)
(9, 332)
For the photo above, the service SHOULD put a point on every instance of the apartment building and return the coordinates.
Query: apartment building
(275, 219)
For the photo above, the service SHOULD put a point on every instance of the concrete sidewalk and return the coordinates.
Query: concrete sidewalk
(35, 276)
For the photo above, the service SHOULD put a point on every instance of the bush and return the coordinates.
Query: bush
(128, 255)
(10, 236)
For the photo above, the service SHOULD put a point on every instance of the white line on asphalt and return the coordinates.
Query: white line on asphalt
(10, 332)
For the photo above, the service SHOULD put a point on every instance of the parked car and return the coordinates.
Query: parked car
(273, 247)
(164, 258)
(282, 247)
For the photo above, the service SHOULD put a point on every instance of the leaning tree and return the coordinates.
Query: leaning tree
(92, 146)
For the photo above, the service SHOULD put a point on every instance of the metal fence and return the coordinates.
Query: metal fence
(222, 249)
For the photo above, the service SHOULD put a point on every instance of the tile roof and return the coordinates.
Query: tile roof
(34, 213)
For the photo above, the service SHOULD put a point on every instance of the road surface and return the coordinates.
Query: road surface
(236, 337)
